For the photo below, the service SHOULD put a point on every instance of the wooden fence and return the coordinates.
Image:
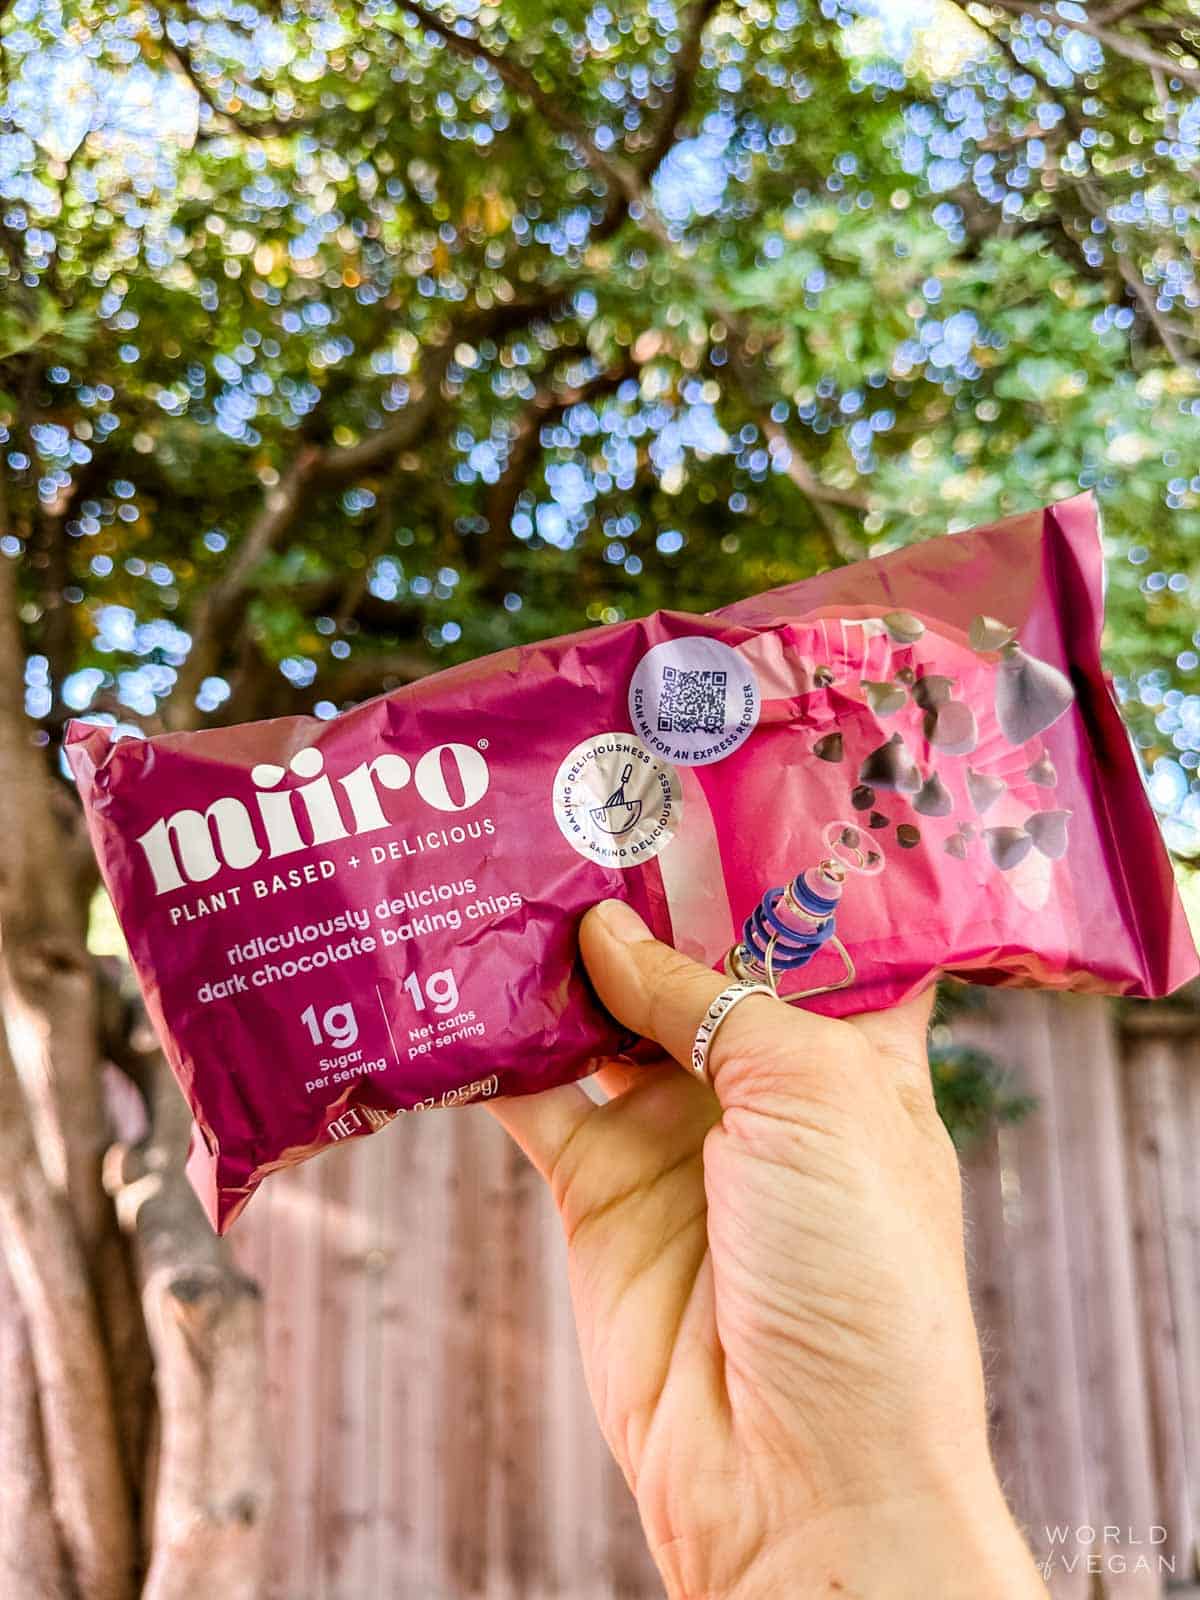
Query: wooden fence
(432, 1431)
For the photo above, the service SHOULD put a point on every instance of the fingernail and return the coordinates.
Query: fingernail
(621, 922)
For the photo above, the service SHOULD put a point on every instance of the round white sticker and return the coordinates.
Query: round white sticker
(615, 801)
(693, 701)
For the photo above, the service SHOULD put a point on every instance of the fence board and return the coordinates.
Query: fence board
(1187, 1066)
(419, 1164)
(1184, 1244)
(519, 1355)
(992, 1300)
(989, 1266)
(294, 1361)
(1115, 1415)
(1159, 1188)
(348, 1466)
(574, 1496)
(1050, 1424)
(1178, 1164)
(468, 1438)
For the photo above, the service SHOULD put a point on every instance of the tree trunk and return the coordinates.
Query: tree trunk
(59, 1230)
(88, 1487)
(211, 1493)
(99, 1287)
(31, 1554)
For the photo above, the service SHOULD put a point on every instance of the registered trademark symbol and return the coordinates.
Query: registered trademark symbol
(483, 744)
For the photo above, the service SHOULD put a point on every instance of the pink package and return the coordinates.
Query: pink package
(840, 787)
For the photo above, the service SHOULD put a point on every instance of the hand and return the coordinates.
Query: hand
(770, 1292)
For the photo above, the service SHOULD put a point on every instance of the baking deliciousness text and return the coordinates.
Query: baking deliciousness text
(192, 846)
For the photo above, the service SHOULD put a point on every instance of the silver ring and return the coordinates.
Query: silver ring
(715, 1016)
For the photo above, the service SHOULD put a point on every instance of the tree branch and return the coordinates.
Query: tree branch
(319, 597)
(220, 607)
(1141, 290)
(49, 552)
(357, 580)
(368, 673)
(678, 101)
(1122, 8)
(548, 404)
(842, 544)
(620, 174)
(666, 127)
(263, 691)
(334, 468)
(1127, 45)
(802, 476)
(180, 57)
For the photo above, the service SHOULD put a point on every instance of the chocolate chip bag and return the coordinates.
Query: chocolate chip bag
(839, 788)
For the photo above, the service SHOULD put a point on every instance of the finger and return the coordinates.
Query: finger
(663, 995)
(544, 1124)
(616, 1077)
(651, 988)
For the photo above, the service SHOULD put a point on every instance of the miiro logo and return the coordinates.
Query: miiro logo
(192, 846)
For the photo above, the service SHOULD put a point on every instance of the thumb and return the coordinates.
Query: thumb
(663, 996)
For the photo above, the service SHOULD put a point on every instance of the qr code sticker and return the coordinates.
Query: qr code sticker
(691, 702)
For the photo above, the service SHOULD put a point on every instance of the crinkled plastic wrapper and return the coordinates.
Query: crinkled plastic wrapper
(840, 787)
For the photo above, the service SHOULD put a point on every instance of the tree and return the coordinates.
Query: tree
(339, 341)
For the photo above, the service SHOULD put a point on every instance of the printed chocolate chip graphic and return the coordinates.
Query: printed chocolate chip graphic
(932, 690)
(873, 858)
(1048, 830)
(952, 728)
(884, 699)
(956, 846)
(862, 798)
(907, 836)
(1030, 695)
(904, 627)
(986, 633)
(906, 675)
(823, 677)
(910, 780)
(983, 790)
(1042, 772)
(850, 838)
(878, 820)
(829, 747)
(933, 798)
(891, 767)
(1007, 847)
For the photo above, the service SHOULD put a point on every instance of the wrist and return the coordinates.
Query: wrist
(959, 1543)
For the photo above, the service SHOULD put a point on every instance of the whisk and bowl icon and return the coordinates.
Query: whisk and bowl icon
(618, 813)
